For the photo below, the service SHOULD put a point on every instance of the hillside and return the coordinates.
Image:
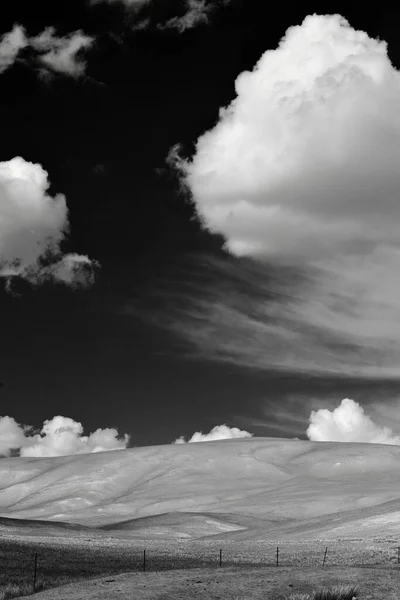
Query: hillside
(257, 488)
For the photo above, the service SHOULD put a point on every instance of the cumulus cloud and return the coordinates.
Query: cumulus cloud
(60, 54)
(59, 436)
(219, 432)
(348, 423)
(33, 225)
(301, 175)
(12, 435)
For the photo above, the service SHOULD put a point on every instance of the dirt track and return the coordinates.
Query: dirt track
(266, 583)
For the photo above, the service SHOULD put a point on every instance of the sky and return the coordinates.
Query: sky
(198, 224)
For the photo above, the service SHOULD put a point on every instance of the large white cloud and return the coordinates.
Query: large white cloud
(32, 226)
(59, 436)
(61, 54)
(302, 173)
(219, 432)
(348, 423)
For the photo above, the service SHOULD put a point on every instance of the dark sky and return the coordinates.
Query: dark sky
(100, 355)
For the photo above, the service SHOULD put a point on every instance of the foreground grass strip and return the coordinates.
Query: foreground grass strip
(342, 592)
(14, 590)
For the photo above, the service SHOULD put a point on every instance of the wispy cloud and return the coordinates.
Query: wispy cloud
(193, 13)
(348, 423)
(10, 45)
(131, 4)
(219, 432)
(32, 227)
(59, 436)
(54, 53)
(62, 54)
(197, 13)
(301, 176)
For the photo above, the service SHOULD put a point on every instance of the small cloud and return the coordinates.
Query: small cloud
(62, 54)
(12, 435)
(348, 423)
(141, 25)
(73, 270)
(59, 436)
(10, 45)
(32, 227)
(197, 13)
(219, 432)
(99, 169)
(55, 54)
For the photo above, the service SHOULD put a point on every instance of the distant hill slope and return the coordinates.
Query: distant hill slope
(255, 488)
(35, 526)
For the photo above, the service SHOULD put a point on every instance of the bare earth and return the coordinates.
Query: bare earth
(267, 583)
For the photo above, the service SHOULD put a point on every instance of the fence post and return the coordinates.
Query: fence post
(277, 556)
(144, 561)
(34, 573)
(326, 551)
(220, 557)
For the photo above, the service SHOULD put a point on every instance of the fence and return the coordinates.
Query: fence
(67, 561)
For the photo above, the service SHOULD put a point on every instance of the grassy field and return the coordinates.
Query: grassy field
(236, 583)
(61, 560)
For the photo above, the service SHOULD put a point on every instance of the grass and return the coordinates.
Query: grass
(65, 560)
(24, 587)
(57, 565)
(13, 590)
(342, 592)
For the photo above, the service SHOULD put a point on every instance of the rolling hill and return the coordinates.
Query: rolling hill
(254, 488)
